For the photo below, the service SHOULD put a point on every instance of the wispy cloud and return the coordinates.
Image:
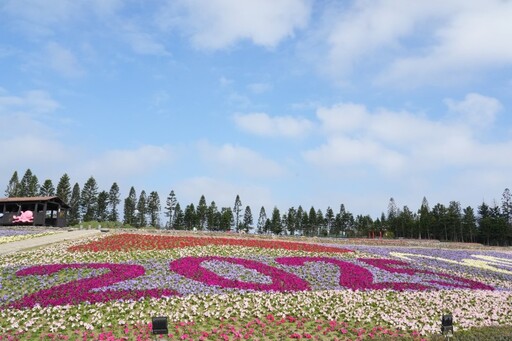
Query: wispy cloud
(265, 125)
(62, 60)
(232, 159)
(217, 24)
(453, 40)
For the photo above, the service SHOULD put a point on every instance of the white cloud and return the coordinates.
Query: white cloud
(476, 109)
(473, 38)
(32, 104)
(343, 117)
(235, 159)
(216, 24)
(411, 43)
(63, 61)
(401, 142)
(265, 125)
(142, 42)
(259, 88)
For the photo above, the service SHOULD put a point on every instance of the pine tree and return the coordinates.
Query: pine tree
(226, 219)
(469, 224)
(262, 220)
(13, 188)
(102, 206)
(64, 188)
(170, 207)
(237, 209)
(74, 203)
(47, 189)
(291, 221)
(425, 219)
(275, 222)
(89, 199)
(201, 211)
(329, 220)
(130, 205)
(29, 185)
(154, 209)
(298, 220)
(190, 217)
(247, 223)
(25, 183)
(142, 207)
(212, 217)
(179, 218)
(114, 201)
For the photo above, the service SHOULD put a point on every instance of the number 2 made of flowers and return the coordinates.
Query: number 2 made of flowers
(80, 290)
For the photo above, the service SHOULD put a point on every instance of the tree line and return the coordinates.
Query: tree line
(489, 224)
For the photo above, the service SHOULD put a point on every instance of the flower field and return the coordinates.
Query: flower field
(230, 288)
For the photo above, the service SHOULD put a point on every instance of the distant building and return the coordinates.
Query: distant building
(35, 211)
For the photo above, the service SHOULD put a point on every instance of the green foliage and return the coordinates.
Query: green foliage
(64, 188)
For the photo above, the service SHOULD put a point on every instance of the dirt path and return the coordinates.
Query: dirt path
(21, 245)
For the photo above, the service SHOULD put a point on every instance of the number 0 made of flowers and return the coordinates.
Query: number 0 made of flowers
(191, 268)
(79, 290)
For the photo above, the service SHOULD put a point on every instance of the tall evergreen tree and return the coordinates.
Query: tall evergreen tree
(25, 183)
(47, 189)
(179, 218)
(29, 185)
(130, 206)
(154, 209)
(226, 218)
(425, 220)
(89, 199)
(170, 206)
(102, 206)
(329, 220)
(275, 222)
(455, 221)
(392, 216)
(201, 211)
(213, 218)
(247, 222)
(311, 226)
(261, 221)
(469, 224)
(74, 203)
(142, 208)
(113, 202)
(13, 188)
(237, 209)
(291, 221)
(440, 222)
(64, 188)
(190, 217)
(298, 220)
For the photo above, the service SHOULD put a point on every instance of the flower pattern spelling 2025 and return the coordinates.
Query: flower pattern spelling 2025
(351, 275)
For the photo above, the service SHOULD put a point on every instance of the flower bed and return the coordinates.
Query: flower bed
(85, 289)
(10, 235)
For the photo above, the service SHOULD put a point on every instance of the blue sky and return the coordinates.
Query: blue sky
(284, 102)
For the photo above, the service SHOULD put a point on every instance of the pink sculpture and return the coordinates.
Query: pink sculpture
(24, 217)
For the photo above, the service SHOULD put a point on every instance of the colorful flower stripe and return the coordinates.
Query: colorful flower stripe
(496, 265)
(134, 242)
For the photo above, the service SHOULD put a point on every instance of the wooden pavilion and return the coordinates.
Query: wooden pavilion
(35, 211)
